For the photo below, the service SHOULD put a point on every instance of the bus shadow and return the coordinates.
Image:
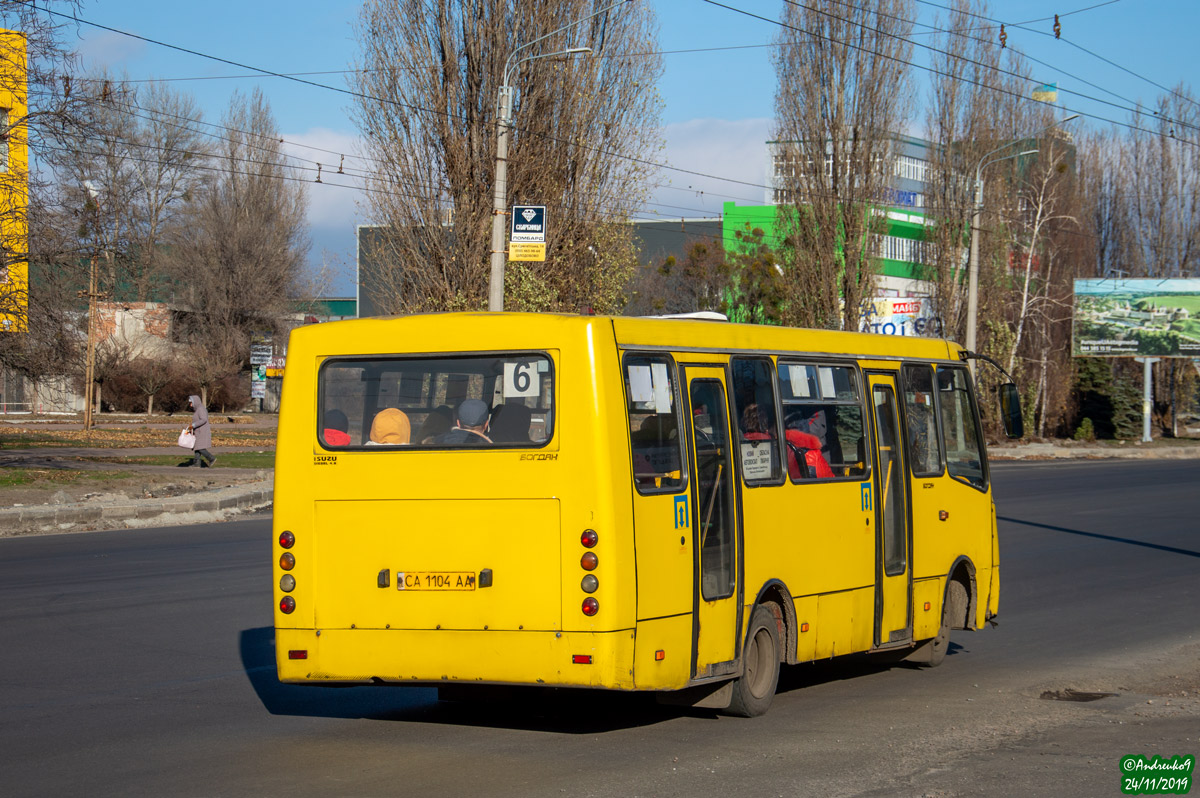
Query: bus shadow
(562, 711)
(1100, 536)
(851, 666)
(559, 711)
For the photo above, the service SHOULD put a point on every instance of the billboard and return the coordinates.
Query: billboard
(901, 316)
(1136, 318)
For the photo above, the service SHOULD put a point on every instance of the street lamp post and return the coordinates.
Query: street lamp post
(976, 213)
(503, 128)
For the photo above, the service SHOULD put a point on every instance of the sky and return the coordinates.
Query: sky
(718, 85)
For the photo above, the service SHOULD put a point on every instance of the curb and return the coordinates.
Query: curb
(203, 507)
(1050, 451)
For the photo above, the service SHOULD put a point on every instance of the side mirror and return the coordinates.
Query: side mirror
(1010, 410)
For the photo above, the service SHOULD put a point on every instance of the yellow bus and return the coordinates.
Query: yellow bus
(664, 505)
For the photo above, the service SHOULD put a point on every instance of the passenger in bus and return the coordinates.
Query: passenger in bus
(336, 429)
(390, 428)
(471, 429)
(437, 422)
(756, 425)
(510, 423)
(805, 460)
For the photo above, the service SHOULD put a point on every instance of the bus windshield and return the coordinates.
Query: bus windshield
(501, 400)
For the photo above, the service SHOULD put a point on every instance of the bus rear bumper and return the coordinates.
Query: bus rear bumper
(403, 656)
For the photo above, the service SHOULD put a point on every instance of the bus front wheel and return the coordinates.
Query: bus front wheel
(754, 689)
(953, 613)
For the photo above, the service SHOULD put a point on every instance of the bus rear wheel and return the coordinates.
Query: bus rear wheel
(755, 688)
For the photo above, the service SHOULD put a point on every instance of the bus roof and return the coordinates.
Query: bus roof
(486, 331)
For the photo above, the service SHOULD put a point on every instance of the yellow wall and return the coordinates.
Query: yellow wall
(14, 186)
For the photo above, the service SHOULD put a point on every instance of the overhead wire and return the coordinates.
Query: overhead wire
(994, 89)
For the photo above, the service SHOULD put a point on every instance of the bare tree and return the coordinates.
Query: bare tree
(242, 245)
(583, 131)
(844, 88)
(151, 375)
(1165, 167)
(34, 65)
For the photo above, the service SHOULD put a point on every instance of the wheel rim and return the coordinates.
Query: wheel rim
(758, 668)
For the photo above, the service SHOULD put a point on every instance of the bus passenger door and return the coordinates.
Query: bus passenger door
(893, 543)
(715, 530)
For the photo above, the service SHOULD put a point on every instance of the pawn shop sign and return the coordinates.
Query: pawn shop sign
(527, 238)
(528, 224)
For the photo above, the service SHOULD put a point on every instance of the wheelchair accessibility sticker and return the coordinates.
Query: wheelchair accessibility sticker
(681, 512)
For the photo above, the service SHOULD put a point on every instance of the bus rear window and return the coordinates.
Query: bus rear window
(436, 402)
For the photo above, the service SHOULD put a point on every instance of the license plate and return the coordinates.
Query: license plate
(435, 580)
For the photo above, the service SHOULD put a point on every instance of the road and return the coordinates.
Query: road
(140, 662)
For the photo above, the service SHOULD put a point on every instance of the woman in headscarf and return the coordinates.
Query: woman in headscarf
(203, 432)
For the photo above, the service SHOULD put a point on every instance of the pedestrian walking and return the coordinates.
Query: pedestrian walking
(203, 432)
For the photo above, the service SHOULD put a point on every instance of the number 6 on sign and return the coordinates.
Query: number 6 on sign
(520, 379)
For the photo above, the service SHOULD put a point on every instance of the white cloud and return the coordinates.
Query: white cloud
(726, 161)
(108, 49)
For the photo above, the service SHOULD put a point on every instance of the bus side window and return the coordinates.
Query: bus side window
(823, 405)
(654, 439)
(921, 421)
(960, 427)
(758, 436)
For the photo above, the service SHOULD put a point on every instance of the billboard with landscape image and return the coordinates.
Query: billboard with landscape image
(1143, 317)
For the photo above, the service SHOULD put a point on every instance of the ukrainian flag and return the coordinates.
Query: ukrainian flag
(1046, 93)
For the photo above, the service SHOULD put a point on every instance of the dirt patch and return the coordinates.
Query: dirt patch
(118, 486)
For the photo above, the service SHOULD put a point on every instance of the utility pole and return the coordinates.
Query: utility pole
(504, 121)
(89, 388)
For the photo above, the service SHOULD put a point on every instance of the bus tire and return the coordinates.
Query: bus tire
(755, 688)
(953, 613)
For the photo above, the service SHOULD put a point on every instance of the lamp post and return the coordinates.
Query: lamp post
(500, 190)
(976, 213)
(503, 127)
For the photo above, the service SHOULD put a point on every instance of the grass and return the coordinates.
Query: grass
(27, 438)
(227, 460)
(40, 477)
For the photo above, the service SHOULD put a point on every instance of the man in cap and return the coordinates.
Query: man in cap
(471, 429)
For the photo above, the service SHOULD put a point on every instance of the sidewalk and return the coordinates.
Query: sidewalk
(172, 496)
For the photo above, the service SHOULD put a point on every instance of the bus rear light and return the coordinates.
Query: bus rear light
(589, 538)
(582, 659)
(298, 653)
(590, 606)
(589, 561)
(287, 605)
(287, 583)
(589, 584)
(287, 539)
(287, 561)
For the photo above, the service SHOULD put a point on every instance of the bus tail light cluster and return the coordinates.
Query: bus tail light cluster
(287, 582)
(589, 562)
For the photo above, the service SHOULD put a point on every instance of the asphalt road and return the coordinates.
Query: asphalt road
(140, 662)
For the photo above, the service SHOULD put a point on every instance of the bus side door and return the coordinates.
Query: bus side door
(893, 545)
(715, 525)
